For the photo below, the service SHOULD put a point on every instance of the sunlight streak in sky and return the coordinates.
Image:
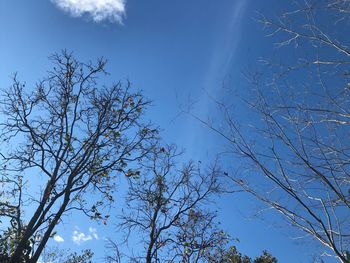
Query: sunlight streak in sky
(221, 60)
(224, 54)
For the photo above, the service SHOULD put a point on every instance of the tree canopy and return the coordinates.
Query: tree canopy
(70, 135)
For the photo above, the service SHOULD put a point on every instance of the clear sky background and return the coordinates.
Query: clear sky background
(176, 52)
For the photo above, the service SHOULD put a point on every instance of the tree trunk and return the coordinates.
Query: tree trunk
(16, 257)
(48, 232)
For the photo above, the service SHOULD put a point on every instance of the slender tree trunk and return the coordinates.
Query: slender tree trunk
(149, 251)
(47, 234)
(152, 236)
(16, 257)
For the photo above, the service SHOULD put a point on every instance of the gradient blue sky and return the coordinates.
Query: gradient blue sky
(175, 51)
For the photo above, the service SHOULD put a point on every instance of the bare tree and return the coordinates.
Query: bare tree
(114, 254)
(71, 135)
(299, 144)
(165, 206)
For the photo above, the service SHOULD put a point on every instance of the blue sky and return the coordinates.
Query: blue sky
(176, 52)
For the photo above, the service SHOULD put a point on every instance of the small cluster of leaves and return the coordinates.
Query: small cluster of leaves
(232, 255)
(56, 255)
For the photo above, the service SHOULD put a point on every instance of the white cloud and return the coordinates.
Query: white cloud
(79, 237)
(93, 232)
(58, 239)
(98, 10)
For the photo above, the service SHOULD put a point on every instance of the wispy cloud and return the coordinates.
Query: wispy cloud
(222, 57)
(98, 10)
(93, 232)
(58, 238)
(79, 237)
